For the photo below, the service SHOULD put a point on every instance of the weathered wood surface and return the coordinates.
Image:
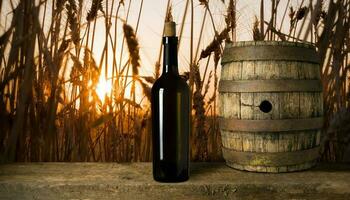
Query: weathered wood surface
(134, 181)
(246, 82)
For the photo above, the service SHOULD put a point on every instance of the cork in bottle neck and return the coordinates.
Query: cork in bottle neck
(169, 29)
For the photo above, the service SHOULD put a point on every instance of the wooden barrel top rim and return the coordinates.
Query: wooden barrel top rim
(270, 125)
(294, 85)
(269, 52)
(269, 43)
(271, 159)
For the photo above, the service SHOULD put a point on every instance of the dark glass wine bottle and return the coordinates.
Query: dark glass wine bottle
(170, 116)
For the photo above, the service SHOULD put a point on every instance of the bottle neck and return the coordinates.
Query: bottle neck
(170, 56)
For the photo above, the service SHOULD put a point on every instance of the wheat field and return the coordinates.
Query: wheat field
(58, 102)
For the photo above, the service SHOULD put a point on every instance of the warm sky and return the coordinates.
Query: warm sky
(151, 23)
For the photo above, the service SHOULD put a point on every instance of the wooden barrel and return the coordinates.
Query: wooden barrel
(270, 106)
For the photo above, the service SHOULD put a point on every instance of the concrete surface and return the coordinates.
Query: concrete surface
(134, 181)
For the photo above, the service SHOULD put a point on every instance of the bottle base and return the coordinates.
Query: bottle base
(171, 179)
(170, 172)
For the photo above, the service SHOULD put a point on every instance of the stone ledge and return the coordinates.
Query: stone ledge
(134, 181)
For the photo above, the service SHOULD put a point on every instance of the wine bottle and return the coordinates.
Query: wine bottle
(170, 116)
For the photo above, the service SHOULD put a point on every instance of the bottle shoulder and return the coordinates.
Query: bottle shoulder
(171, 82)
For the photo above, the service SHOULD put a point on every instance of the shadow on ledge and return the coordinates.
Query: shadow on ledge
(199, 169)
(332, 167)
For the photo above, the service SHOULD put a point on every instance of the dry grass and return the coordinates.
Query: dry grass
(49, 108)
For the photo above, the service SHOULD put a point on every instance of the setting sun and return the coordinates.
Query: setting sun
(103, 87)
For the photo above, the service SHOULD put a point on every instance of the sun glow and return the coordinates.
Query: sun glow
(103, 87)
